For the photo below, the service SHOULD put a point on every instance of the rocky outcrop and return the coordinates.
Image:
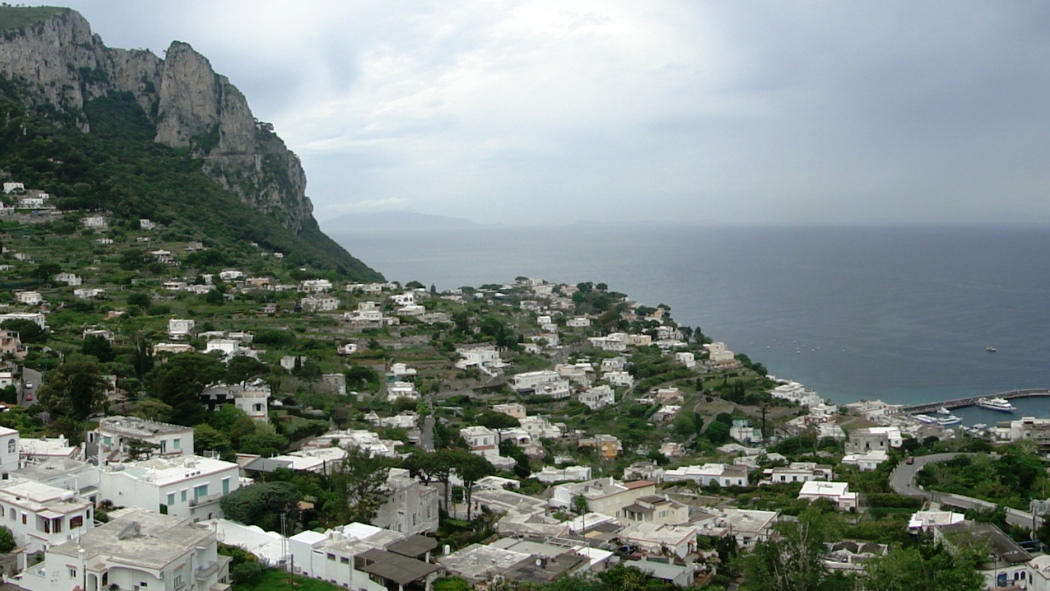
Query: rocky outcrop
(65, 65)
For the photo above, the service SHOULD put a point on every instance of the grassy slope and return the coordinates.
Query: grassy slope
(17, 17)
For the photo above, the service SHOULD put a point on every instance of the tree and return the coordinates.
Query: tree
(208, 438)
(180, 382)
(73, 390)
(28, 331)
(357, 484)
(7, 540)
(684, 425)
(471, 468)
(153, 410)
(99, 347)
(922, 568)
(497, 421)
(141, 450)
(261, 504)
(140, 299)
(717, 432)
(242, 369)
(793, 561)
(579, 505)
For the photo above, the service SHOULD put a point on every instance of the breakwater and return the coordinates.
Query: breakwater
(972, 400)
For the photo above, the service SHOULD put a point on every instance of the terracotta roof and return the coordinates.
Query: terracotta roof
(638, 484)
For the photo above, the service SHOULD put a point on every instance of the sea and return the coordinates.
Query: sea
(899, 313)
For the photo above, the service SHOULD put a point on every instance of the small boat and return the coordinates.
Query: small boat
(948, 420)
(943, 411)
(999, 404)
(979, 426)
(990, 349)
(925, 419)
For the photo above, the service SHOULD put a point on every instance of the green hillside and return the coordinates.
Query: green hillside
(118, 168)
(17, 17)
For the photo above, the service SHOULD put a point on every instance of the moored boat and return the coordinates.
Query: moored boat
(999, 404)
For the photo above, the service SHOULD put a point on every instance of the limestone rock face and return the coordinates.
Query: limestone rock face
(191, 106)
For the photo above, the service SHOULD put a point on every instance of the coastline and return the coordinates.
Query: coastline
(898, 314)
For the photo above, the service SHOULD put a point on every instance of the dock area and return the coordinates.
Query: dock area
(972, 400)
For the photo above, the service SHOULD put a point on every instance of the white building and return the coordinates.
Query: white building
(722, 474)
(30, 298)
(95, 221)
(365, 558)
(319, 303)
(399, 390)
(187, 487)
(484, 358)
(10, 455)
(530, 380)
(748, 527)
(114, 433)
(743, 432)
(87, 293)
(685, 358)
(410, 507)
(718, 353)
(615, 342)
(597, 397)
(867, 461)
(69, 279)
(539, 427)
(315, 286)
(798, 472)
(836, 492)
(180, 328)
(578, 322)
(136, 550)
(40, 515)
(551, 474)
(619, 378)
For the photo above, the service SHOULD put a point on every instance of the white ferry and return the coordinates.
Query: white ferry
(948, 420)
(925, 419)
(1000, 404)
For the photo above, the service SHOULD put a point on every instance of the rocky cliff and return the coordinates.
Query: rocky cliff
(63, 64)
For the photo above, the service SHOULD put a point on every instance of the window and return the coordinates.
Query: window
(177, 580)
(331, 556)
(25, 520)
(183, 493)
(344, 559)
(76, 521)
(225, 486)
(177, 444)
(11, 446)
(200, 491)
(171, 499)
(72, 573)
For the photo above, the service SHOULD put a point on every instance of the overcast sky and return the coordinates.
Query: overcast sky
(509, 112)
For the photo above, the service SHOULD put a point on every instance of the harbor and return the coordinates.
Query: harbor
(929, 407)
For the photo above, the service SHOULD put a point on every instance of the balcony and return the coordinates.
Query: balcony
(205, 500)
(207, 570)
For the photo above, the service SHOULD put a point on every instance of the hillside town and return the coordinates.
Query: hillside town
(179, 416)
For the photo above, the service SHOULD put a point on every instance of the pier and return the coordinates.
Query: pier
(972, 400)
